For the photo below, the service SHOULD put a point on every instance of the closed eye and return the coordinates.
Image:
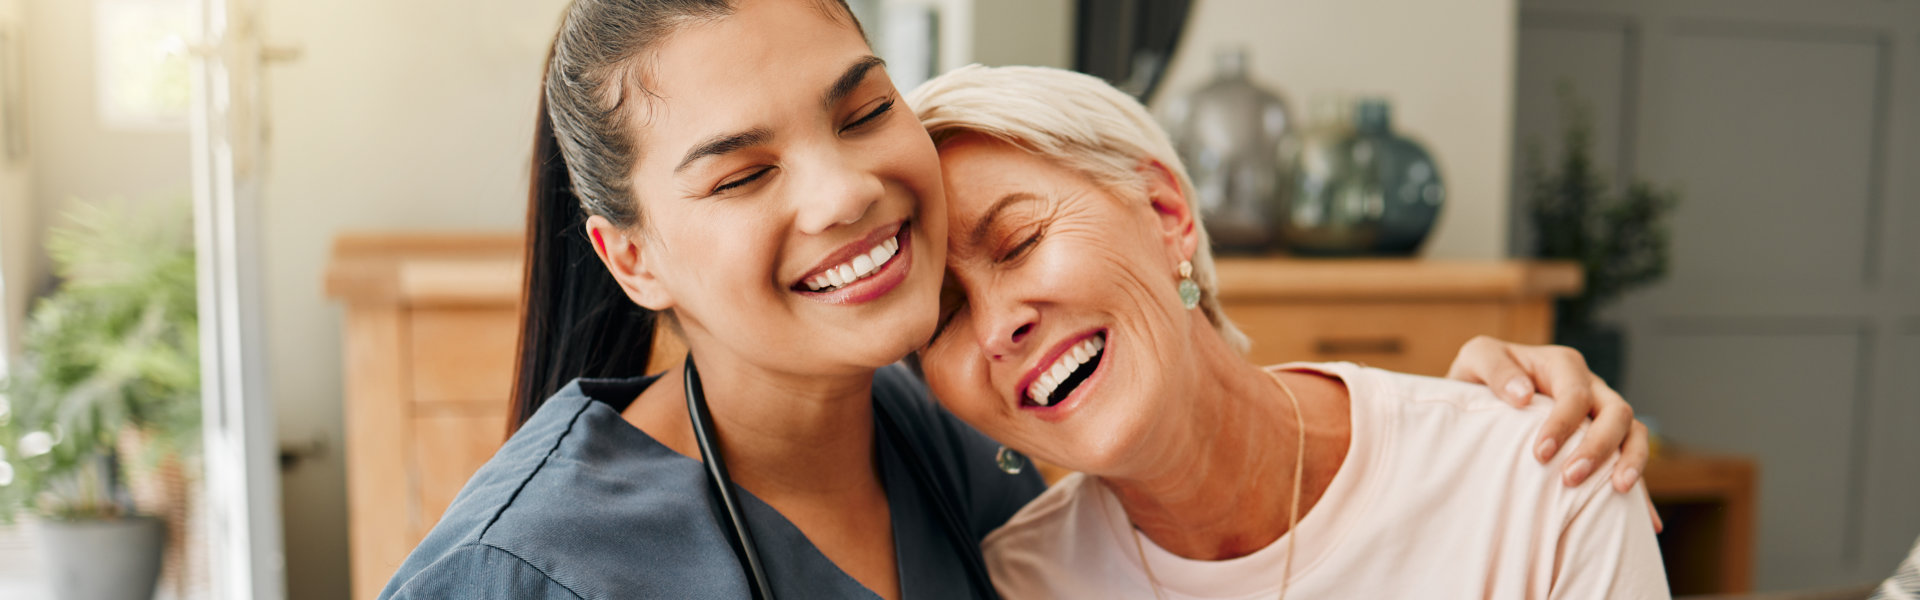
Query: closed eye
(1023, 247)
(878, 111)
(755, 176)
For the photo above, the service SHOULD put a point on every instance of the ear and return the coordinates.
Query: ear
(1174, 210)
(625, 256)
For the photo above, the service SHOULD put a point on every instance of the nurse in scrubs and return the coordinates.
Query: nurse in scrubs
(745, 174)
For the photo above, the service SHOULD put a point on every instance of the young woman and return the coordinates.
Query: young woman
(744, 172)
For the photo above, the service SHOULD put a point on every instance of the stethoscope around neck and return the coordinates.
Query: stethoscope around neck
(734, 519)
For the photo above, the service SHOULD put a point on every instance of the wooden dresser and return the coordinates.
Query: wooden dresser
(431, 329)
(1399, 314)
(432, 323)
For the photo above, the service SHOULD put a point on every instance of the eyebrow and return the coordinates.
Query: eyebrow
(851, 78)
(727, 143)
(980, 229)
(724, 144)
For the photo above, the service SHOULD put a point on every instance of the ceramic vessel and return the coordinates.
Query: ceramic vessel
(1355, 187)
(1228, 133)
(102, 559)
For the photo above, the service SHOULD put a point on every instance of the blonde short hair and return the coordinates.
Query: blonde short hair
(1078, 122)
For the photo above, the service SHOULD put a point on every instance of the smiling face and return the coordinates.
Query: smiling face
(1060, 319)
(792, 212)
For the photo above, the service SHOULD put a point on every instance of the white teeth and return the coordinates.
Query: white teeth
(1043, 386)
(853, 270)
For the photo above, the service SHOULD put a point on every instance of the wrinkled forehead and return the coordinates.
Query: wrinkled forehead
(982, 172)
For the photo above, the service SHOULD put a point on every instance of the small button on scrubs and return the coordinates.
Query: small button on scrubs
(580, 504)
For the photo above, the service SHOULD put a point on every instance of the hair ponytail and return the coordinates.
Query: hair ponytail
(575, 321)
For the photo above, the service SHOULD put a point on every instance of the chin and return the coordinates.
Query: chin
(1102, 443)
(885, 340)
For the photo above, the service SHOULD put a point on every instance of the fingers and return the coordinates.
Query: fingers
(1658, 525)
(1633, 458)
(1566, 418)
(1490, 362)
(1611, 424)
(1561, 373)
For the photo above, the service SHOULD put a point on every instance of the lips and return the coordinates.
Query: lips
(1064, 372)
(863, 270)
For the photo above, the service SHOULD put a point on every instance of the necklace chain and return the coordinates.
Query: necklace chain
(1293, 508)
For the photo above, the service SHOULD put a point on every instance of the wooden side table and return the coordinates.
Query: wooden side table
(1707, 503)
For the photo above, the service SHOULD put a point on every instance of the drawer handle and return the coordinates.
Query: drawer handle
(1382, 345)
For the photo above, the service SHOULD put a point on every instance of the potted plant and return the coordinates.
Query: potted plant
(1620, 241)
(108, 384)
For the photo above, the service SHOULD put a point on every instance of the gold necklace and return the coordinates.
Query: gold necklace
(1293, 509)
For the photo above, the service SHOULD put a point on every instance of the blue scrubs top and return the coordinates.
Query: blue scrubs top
(581, 504)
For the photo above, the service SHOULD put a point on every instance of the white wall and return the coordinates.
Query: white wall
(399, 116)
(72, 155)
(1446, 66)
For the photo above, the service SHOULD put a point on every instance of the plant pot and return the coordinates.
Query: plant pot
(1604, 346)
(103, 559)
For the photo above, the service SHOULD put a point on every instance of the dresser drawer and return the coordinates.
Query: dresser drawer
(1414, 337)
(448, 447)
(464, 355)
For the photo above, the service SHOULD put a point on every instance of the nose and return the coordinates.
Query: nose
(838, 190)
(1007, 331)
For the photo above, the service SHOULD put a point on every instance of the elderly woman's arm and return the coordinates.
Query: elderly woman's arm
(1517, 371)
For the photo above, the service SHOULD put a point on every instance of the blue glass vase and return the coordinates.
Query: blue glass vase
(1354, 187)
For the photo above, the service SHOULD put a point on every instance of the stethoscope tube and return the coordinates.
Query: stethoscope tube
(722, 484)
(736, 519)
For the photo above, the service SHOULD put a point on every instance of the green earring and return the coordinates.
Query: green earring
(1009, 461)
(1189, 291)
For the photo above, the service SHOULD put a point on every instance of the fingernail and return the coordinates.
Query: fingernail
(1519, 389)
(1578, 471)
(1624, 481)
(1546, 448)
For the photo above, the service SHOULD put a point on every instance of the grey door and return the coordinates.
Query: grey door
(1789, 327)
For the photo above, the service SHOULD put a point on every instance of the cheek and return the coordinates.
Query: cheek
(956, 374)
(911, 159)
(717, 253)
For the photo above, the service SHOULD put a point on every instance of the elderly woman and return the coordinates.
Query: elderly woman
(1079, 324)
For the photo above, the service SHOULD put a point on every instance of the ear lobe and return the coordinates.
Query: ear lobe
(625, 257)
(1178, 228)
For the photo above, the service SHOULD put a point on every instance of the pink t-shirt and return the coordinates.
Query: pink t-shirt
(1439, 497)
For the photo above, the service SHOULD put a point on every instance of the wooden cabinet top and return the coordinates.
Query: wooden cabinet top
(1286, 278)
(485, 269)
(426, 269)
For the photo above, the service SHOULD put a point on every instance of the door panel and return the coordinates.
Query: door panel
(1774, 141)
